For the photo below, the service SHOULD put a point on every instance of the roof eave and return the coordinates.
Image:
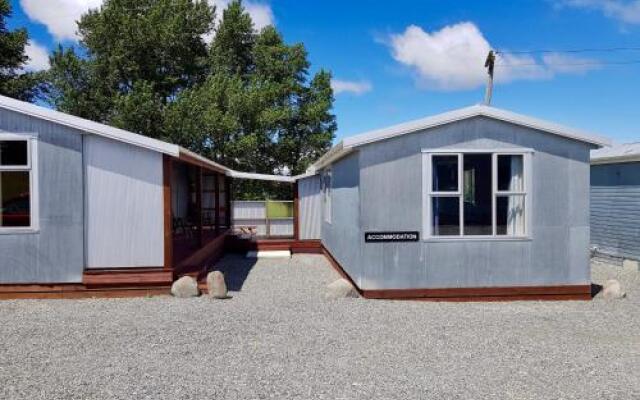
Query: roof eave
(87, 126)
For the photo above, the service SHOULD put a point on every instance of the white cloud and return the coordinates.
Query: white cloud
(59, 18)
(453, 59)
(625, 11)
(38, 57)
(260, 13)
(357, 88)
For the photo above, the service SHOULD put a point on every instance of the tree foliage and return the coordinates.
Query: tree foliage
(14, 82)
(246, 99)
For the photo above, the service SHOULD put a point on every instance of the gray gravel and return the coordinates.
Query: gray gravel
(279, 338)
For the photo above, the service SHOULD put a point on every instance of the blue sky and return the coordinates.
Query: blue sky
(402, 60)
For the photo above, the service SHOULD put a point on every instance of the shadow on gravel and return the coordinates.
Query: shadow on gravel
(236, 269)
(595, 289)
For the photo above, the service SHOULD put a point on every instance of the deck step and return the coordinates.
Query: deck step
(269, 254)
(127, 278)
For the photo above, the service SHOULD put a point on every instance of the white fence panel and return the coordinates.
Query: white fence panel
(249, 210)
(281, 227)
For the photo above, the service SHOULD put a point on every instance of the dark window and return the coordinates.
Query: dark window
(510, 168)
(13, 152)
(446, 216)
(445, 173)
(510, 215)
(477, 194)
(15, 199)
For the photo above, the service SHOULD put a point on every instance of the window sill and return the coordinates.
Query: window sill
(479, 239)
(18, 231)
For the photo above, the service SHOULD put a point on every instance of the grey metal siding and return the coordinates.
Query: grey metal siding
(342, 236)
(615, 209)
(124, 205)
(310, 207)
(390, 199)
(55, 254)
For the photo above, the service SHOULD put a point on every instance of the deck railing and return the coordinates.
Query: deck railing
(269, 218)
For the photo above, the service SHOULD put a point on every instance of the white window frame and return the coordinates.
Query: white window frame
(326, 194)
(32, 167)
(428, 193)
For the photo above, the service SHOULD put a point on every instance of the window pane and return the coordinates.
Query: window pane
(13, 152)
(477, 194)
(510, 173)
(445, 216)
(510, 215)
(445, 173)
(15, 204)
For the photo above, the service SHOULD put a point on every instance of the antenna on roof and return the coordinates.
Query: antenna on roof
(489, 64)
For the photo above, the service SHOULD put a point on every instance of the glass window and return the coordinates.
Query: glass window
(510, 215)
(477, 194)
(15, 199)
(13, 152)
(510, 169)
(490, 201)
(445, 173)
(445, 216)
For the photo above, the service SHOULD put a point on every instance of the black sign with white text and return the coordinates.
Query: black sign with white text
(372, 237)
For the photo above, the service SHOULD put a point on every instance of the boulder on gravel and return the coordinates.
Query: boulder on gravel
(341, 289)
(216, 286)
(185, 287)
(613, 290)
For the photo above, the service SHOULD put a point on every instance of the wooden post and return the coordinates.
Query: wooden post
(217, 202)
(227, 200)
(199, 205)
(167, 172)
(296, 213)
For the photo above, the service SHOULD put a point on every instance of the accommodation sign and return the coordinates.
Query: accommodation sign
(373, 237)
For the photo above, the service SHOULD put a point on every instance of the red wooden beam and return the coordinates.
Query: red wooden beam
(167, 172)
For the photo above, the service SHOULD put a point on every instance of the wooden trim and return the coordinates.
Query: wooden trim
(198, 163)
(167, 173)
(510, 293)
(199, 206)
(566, 292)
(217, 202)
(296, 213)
(227, 200)
(135, 277)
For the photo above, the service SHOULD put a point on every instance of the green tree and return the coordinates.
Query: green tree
(14, 82)
(134, 57)
(258, 110)
(246, 100)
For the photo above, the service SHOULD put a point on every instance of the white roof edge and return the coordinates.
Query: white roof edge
(469, 112)
(88, 126)
(621, 153)
(615, 160)
(261, 177)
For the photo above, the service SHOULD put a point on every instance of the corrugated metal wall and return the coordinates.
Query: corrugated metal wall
(310, 207)
(615, 209)
(124, 205)
(55, 253)
(380, 189)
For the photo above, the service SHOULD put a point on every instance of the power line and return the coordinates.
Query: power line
(584, 50)
(585, 63)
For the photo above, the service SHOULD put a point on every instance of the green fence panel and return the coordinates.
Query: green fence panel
(279, 209)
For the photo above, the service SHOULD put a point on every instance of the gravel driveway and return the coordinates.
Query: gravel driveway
(279, 338)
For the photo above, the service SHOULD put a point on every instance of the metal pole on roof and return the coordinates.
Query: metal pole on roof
(489, 65)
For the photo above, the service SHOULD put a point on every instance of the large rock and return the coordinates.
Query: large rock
(216, 286)
(341, 289)
(613, 290)
(185, 287)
